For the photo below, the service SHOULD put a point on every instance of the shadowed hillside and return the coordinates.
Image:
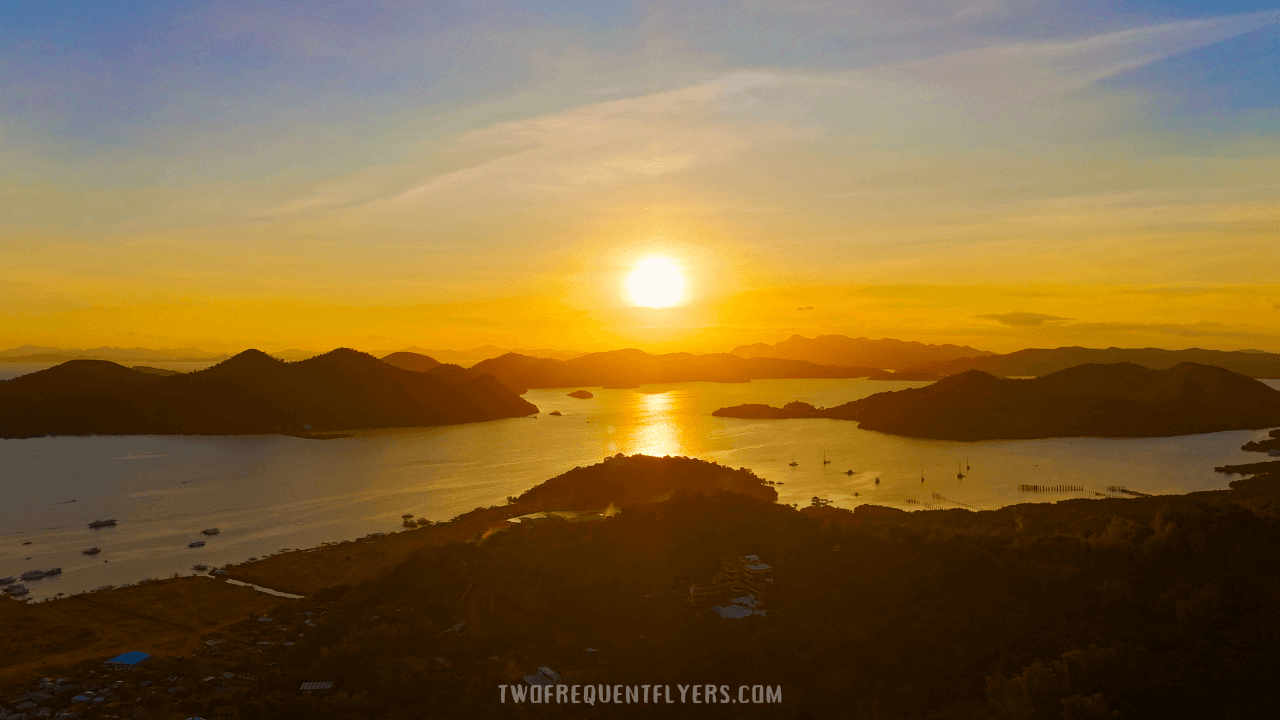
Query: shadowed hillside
(247, 394)
(1120, 400)
(411, 361)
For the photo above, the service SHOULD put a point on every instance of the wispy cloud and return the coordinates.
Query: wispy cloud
(1023, 319)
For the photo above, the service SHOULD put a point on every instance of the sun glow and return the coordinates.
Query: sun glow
(656, 282)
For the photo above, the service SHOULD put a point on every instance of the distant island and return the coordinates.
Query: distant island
(861, 352)
(632, 368)
(251, 393)
(1118, 400)
(1038, 361)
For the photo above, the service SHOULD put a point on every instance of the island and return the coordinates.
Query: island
(580, 394)
(1115, 400)
(250, 393)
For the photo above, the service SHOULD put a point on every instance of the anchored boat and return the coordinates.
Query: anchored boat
(91, 551)
(210, 531)
(102, 523)
(197, 543)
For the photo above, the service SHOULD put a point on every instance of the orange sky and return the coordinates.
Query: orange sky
(1002, 191)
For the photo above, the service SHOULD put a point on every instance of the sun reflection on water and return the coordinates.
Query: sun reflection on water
(656, 429)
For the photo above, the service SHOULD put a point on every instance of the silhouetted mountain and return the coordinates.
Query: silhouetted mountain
(468, 358)
(1119, 400)
(860, 352)
(1037, 361)
(629, 368)
(249, 393)
(411, 361)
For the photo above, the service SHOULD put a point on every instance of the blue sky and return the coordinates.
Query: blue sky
(345, 154)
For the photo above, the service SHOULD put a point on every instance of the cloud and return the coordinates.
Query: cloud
(1023, 319)
(805, 308)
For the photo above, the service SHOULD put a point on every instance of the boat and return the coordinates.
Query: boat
(877, 481)
(407, 516)
(91, 551)
(200, 567)
(210, 531)
(848, 472)
(793, 460)
(197, 543)
(825, 461)
(959, 472)
(102, 523)
(966, 463)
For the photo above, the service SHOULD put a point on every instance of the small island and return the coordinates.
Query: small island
(580, 394)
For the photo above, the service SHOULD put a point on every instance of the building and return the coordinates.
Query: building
(739, 577)
(128, 660)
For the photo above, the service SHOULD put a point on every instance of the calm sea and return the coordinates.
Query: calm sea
(271, 493)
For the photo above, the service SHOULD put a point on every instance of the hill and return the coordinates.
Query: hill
(629, 368)
(862, 352)
(467, 358)
(250, 393)
(411, 361)
(1040, 361)
(1119, 400)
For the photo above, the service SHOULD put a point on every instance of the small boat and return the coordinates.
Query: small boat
(102, 523)
(196, 544)
(877, 481)
(91, 551)
(407, 516)
(959, 472)
(848, 472)
(825, 461)
(210, 531)
(793, 460)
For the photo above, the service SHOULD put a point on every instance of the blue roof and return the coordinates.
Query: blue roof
(130, 658)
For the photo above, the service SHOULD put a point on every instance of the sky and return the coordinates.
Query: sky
(388, 174)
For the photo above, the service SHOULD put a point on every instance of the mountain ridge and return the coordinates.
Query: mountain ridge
(1116, 400)
(249, 393)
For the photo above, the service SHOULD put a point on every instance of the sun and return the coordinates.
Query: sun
(656, 282)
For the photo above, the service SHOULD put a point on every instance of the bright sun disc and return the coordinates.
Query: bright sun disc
(657, 283)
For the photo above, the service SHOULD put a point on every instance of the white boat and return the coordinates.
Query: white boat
(102, 523)
(197, 543)
(210, 531)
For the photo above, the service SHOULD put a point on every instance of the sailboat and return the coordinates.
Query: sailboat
(793, 460)
(966, 462)
(825, 461)
(848, 472)
(959, 473)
